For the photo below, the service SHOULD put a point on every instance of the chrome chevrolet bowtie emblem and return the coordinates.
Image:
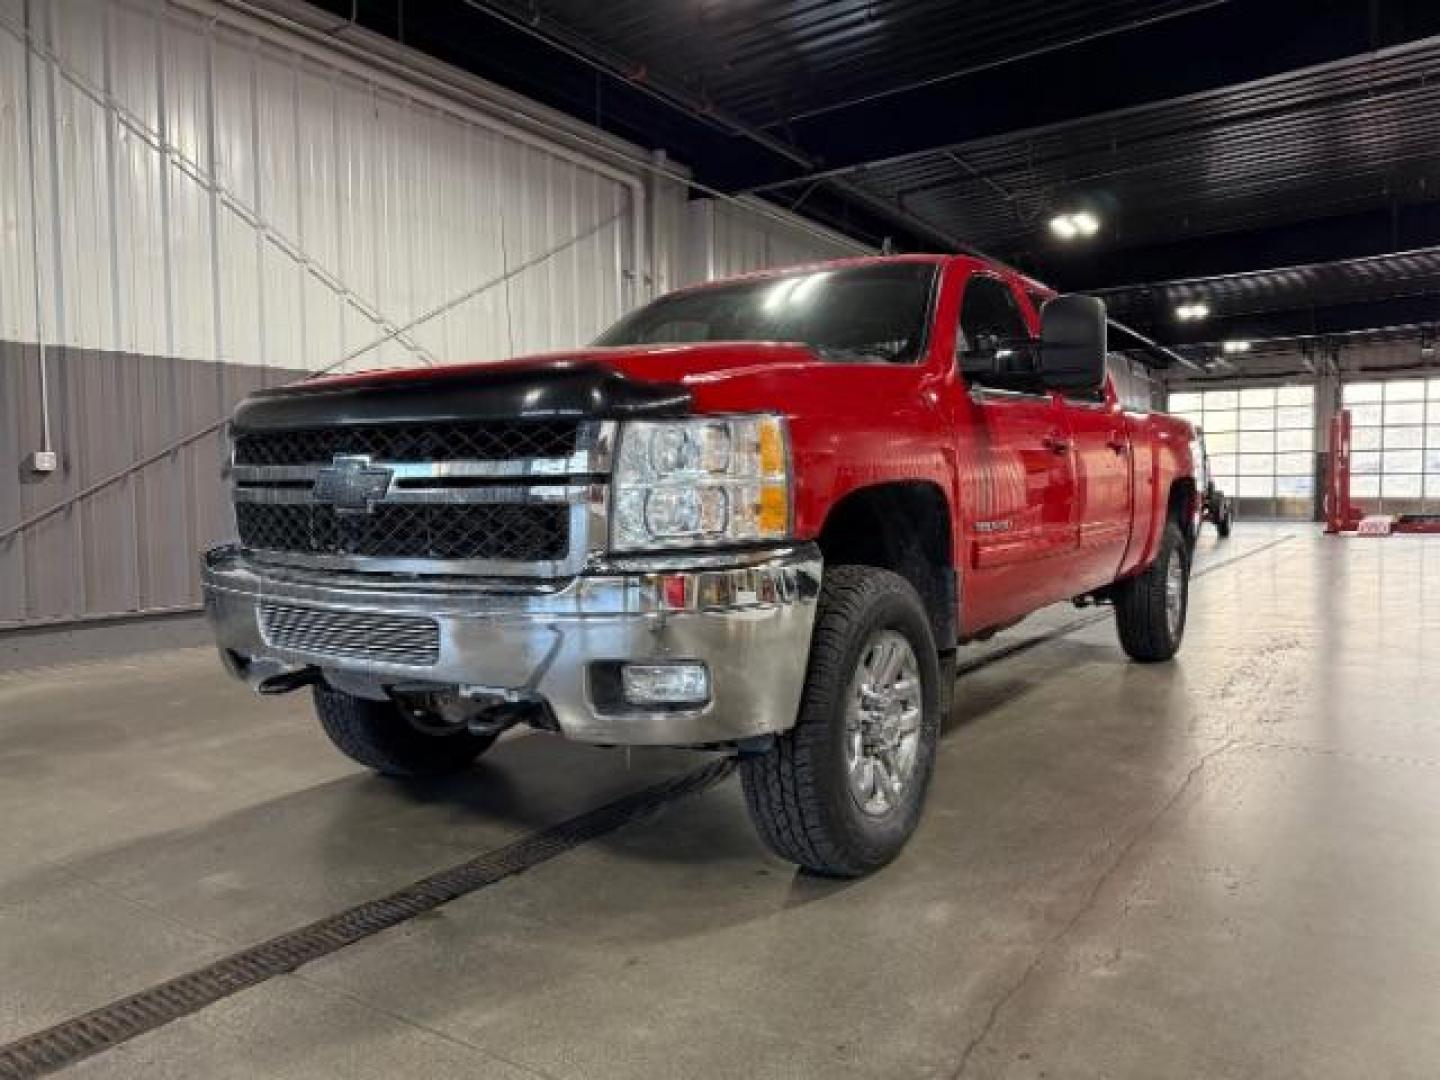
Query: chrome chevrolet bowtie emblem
(351, 484)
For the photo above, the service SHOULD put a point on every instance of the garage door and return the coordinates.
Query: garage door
(1395, 465)
(1262, 445)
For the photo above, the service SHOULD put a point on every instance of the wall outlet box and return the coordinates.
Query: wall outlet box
(44, 461)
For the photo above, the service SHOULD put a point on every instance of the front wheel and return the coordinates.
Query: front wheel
(841, 792)
(1150, 608)
(1225, 520)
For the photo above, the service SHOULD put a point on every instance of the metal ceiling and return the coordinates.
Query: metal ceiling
(1259, 292)
(1366, 301)
(776, 63)
(1306, 144)
(1209, 135)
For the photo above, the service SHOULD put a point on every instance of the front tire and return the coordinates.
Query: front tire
(1150, 608)
(380, 737)
(1226, 519)
(841, 792)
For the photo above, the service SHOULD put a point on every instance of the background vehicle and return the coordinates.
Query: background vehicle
(760, 514)
(1215, 506)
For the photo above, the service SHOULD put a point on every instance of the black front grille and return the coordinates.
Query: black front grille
(507, 440)
(524, 532)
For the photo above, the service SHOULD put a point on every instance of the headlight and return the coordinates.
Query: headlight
(690, 483)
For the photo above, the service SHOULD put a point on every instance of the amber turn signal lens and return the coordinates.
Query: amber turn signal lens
(772, 448)
(773, 514)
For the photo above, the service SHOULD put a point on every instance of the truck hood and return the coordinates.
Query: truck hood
(630, 381)
(687, 364)
(652, 363)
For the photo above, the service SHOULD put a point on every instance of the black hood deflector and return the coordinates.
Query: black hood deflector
(543, 392)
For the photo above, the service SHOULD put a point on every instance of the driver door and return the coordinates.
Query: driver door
(1016, 464)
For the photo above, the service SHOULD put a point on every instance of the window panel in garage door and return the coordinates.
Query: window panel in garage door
(1395, 441)
(1261, 442)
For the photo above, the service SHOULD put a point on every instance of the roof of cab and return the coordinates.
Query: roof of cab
(814, 267)
(864, 260)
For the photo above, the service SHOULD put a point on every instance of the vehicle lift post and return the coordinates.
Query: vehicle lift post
(1341, 515)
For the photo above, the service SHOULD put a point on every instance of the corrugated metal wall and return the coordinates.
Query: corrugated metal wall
(733, 237)
(393, 200)
(193, 204)
(131, 546)
(1135, 384)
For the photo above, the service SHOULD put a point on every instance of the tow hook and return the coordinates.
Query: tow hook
(288, 681)
(754, 744)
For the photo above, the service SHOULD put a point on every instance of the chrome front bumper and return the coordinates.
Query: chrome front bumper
(748, 618)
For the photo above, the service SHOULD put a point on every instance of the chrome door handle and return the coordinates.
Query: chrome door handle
(1117, 444)
(1055, 444)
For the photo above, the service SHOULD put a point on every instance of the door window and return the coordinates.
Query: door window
(990, 324)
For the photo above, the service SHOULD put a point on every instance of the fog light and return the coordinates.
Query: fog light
(665, 684)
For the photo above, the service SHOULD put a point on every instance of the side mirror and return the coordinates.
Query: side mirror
(1073, 344)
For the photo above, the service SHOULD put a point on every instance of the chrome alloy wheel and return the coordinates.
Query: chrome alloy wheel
(1175, 592)
(882, 723)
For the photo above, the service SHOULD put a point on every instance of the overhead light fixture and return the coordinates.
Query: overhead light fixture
(1071, 225)
(1193, 312)
(1086, 222)
(1232, 347)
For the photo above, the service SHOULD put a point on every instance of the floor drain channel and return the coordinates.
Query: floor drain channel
(110, 1025)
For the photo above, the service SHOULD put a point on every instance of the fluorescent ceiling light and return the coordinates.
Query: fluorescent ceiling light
(1070, 225)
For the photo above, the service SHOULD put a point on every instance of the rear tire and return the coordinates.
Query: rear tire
(841, 792)
(380, 737)
(1150, 609)
(1226, 519)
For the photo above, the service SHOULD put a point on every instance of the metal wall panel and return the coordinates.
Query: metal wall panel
(130, 546)
(670, 236)
(17, 259)
(160, 305)
(397, 199)
(743, 239)
(250, 206)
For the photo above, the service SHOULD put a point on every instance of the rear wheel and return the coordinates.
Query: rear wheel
(841, 792)
(380, 736)
(1150, 609)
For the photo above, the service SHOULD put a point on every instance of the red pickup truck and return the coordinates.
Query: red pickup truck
(758, 515)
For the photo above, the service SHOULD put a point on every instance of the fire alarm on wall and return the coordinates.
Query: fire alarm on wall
(44, 461)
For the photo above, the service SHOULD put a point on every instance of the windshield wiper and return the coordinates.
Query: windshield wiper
(841, 354)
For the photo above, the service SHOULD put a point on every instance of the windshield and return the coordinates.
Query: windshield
(858, 314)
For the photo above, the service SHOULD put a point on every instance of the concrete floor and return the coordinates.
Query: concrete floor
(1224, 867)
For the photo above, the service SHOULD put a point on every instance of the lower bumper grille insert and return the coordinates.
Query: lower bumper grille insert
(412, 641)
